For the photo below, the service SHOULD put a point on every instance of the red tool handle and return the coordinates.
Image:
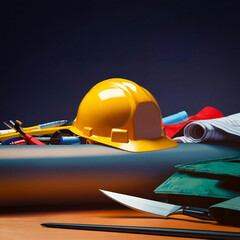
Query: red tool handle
(32, 141)
(18, 142)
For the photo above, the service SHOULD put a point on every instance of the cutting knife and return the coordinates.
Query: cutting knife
(157, 208)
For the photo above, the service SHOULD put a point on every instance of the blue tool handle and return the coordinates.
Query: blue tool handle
(6, 142)
(195, 212)
(175, 118)
(70, 140)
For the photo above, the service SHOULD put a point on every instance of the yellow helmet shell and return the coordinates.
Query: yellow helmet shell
(120, 113)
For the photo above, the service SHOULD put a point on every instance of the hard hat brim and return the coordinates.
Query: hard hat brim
(144, 145)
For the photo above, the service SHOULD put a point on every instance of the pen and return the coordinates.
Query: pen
(40, 126)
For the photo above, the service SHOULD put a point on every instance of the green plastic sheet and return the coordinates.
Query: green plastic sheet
(215, 178)
(220, 166)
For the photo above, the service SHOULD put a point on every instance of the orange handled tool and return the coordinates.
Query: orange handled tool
(28, 138)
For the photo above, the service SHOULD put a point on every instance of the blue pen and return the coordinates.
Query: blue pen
(53, 124)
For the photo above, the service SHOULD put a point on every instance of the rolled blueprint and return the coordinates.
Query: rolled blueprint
(219, 129)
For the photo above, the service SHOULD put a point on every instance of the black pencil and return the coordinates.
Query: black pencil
(174, 232)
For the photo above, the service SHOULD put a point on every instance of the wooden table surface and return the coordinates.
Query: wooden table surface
(27, 226)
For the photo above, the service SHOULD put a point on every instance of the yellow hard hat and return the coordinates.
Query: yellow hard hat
(120, 113)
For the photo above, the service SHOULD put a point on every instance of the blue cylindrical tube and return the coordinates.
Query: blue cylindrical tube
(70, 140)
(175, 118)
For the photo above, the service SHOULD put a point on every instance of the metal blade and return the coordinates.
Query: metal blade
(144, 205)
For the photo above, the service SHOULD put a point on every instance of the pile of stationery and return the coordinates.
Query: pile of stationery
(47, 133)
(207, 125)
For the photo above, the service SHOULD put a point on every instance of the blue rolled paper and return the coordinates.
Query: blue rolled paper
(175, 118)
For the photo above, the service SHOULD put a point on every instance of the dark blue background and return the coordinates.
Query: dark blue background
(186, 53)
